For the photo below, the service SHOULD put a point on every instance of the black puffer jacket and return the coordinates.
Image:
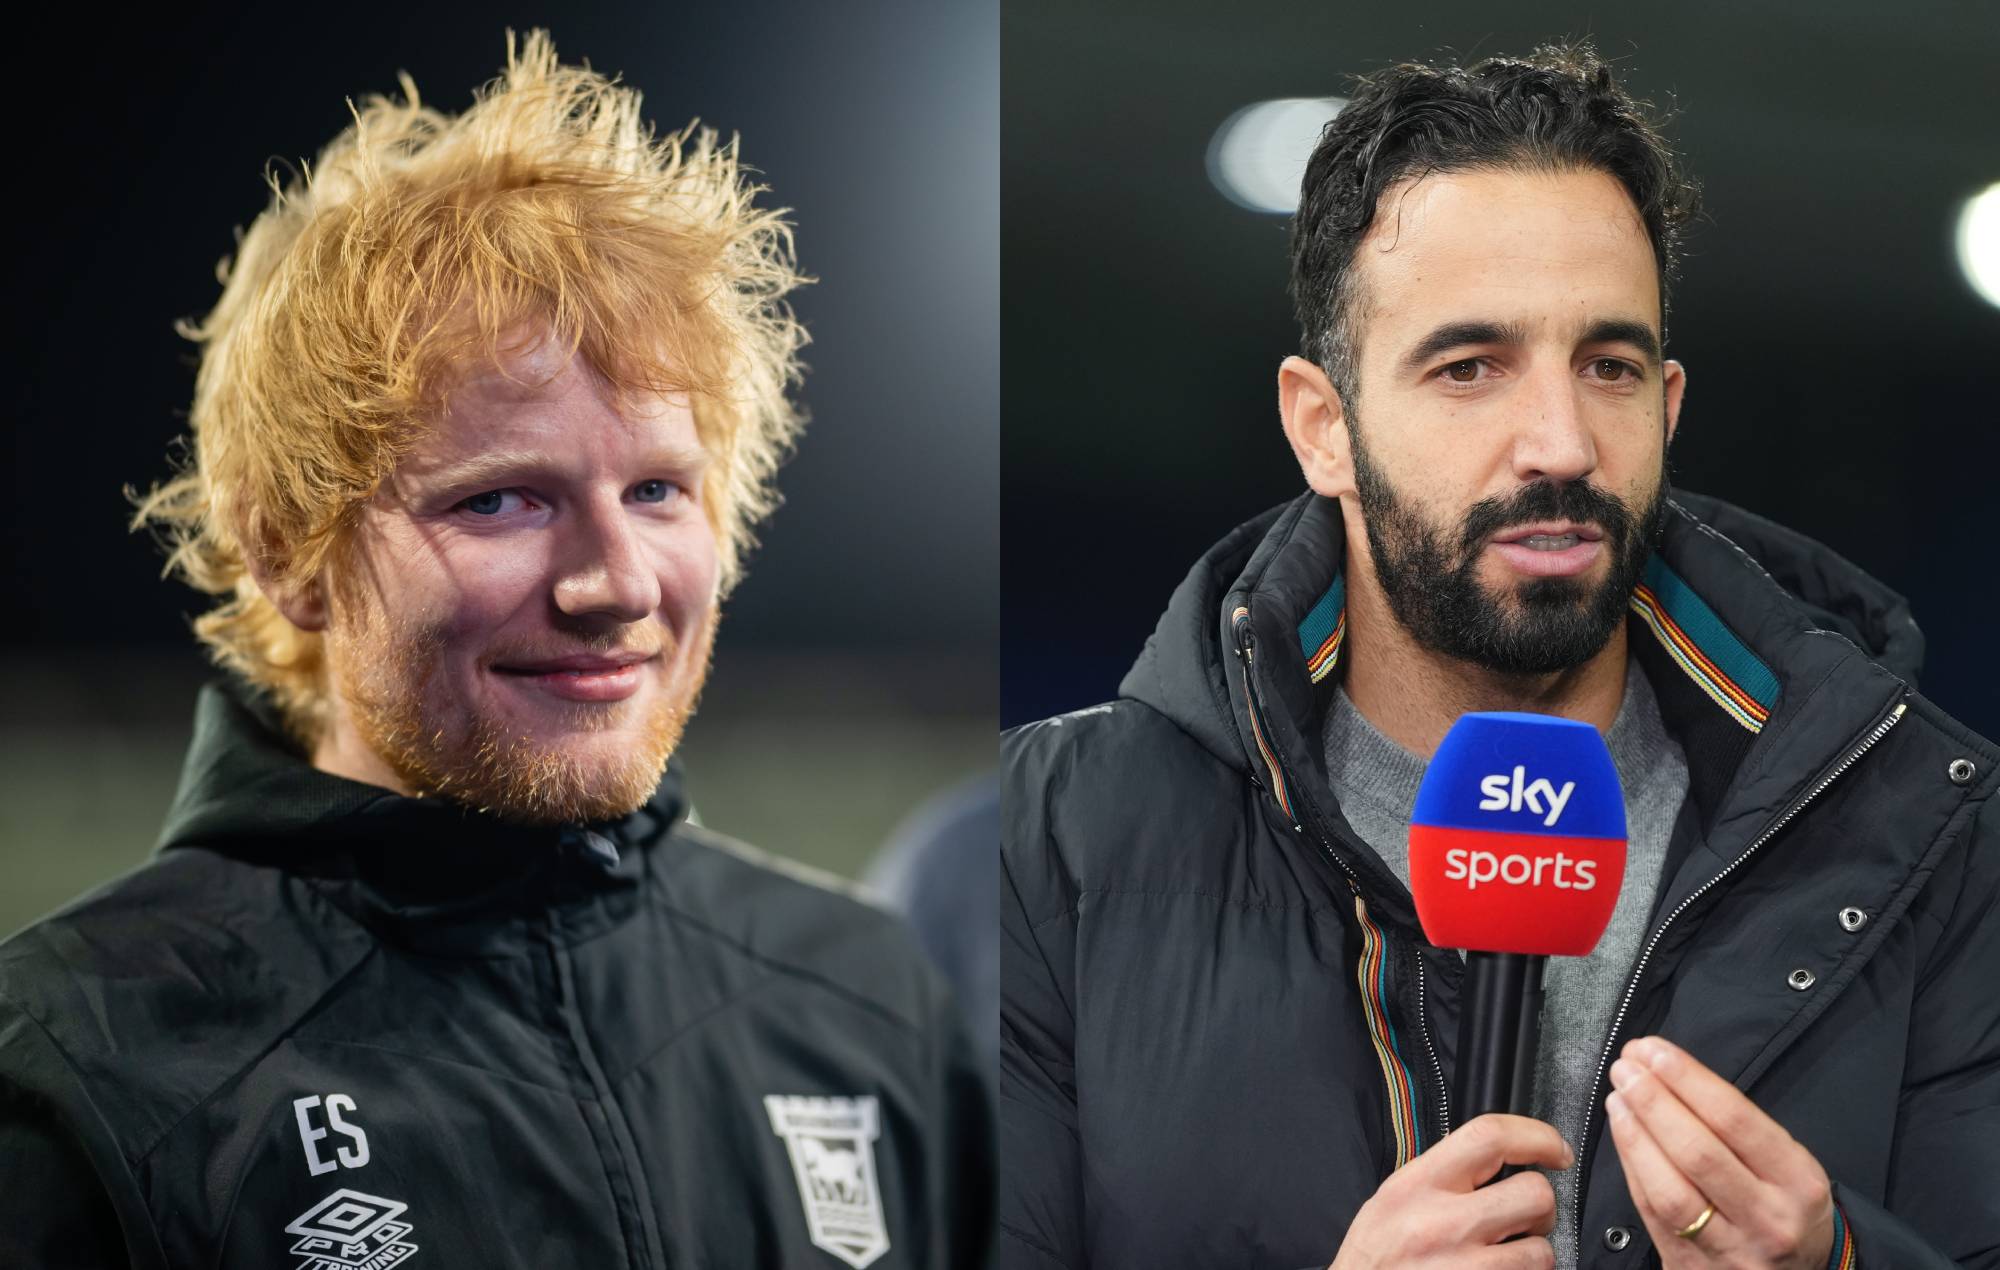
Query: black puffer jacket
(1221, 1025)
(327, 1028)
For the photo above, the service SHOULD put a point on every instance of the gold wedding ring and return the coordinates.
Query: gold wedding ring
(1693, 1228)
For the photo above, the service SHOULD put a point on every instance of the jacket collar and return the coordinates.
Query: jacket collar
(416, 870)
(1767, 655)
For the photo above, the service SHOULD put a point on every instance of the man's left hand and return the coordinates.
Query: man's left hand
(1688, 1139)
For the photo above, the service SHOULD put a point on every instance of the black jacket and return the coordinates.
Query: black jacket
(1221, 1026)
(327, 1027)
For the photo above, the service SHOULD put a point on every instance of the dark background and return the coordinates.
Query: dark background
(1842, 375)
(856, 665)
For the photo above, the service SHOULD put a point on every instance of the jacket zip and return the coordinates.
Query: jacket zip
(1423, 1021)
(641, 1239)
(1867, 743)
(1246, 649)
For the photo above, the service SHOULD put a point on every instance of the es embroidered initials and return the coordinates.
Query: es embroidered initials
(349, 1229)
(351, 1156)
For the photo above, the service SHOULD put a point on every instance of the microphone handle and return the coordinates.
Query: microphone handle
(1499, 1030)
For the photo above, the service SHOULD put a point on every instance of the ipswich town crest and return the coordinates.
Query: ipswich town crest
(833, 1158)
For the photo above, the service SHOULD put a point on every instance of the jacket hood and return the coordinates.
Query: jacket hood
(1835, 593)
(1182, 670)
(246, 792)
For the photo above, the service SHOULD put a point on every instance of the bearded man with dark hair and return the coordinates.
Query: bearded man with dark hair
(1225, 1039)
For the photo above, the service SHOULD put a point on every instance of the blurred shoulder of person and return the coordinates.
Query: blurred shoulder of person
(942, 871)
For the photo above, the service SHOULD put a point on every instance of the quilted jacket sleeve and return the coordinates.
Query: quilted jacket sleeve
(1943, 1203)
(1041, 1206)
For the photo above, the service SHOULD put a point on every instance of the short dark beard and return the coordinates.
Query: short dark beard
(1436, 593)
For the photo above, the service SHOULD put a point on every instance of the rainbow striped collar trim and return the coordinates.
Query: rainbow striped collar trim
(1323, 630)
(1711, 655)
(1719, 663)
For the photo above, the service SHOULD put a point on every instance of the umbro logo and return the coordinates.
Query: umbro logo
(351, 1231)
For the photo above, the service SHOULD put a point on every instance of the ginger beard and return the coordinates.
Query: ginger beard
(388, 670)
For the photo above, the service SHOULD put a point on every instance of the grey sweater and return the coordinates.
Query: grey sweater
(1376, 783)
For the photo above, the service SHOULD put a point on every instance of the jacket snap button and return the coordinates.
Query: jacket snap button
(1961, 771)
(1802, 979)
(1852, 919)
(1617, 1238)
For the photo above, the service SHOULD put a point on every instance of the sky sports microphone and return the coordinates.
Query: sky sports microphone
(1517, 851)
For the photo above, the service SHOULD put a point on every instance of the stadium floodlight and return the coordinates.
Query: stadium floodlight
(1979, 242)
(1258, 156)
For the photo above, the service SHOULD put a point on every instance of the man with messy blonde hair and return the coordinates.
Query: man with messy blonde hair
(428, 262)
(430, 957)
